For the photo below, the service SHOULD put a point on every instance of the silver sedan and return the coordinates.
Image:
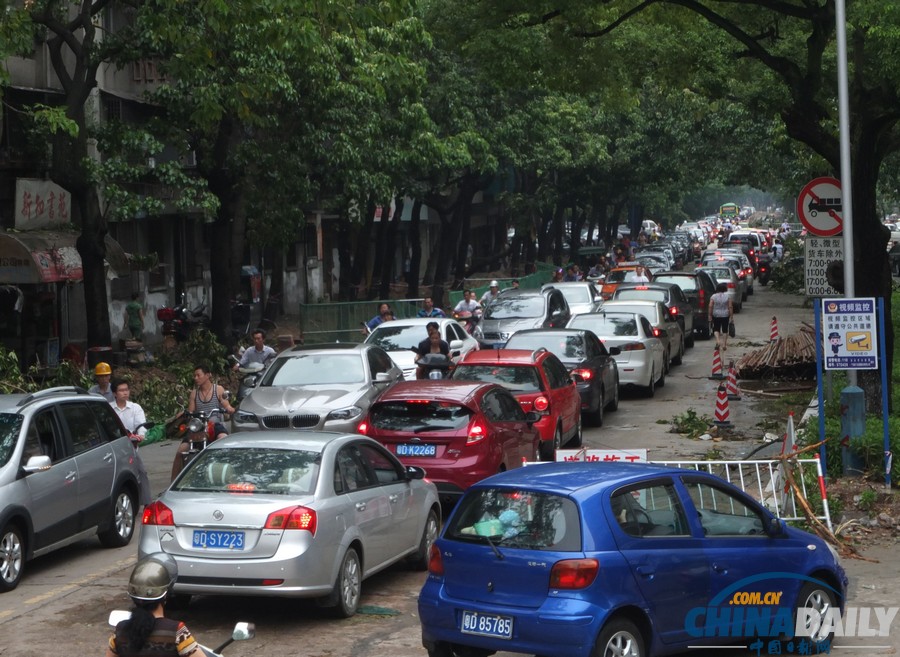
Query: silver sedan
(292, 514)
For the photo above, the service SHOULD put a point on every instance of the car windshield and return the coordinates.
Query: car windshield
(516, 518)
(391, 337)
(515, 378)
(577, 294)
(607, 325)
(515, 308)
(644, 295)
(315, 369)
(10, 425)
(255, 470)
(618, 275)
(566, 346)
(420, 416)
(686, 283)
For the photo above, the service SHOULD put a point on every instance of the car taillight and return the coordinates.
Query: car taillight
(542, 405)
(363, 428)
(292, 517)
(731, 286)
(702, 298)
(435, 563)
(673, 311)
(477, 432)
(656, 332)
(633, 346)
(748, 270)
(574, 573)
(157, 513)
(584, 373)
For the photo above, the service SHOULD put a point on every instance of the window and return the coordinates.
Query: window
(109, 420)
(84, 431)
(492, 407)
(721, 513)
(379, 362)
(650, 509)
(556, 373)
(44, 424)
(385, 469)
(512, 410)
(351, 470)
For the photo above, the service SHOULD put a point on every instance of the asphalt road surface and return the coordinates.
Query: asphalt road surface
(63, 602)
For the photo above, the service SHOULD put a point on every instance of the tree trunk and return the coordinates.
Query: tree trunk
(363, 244)
(415, 258)
(559, 220)
(390, 249)
(274, 307)
(345, 229)
(380, 239)
(92, 249)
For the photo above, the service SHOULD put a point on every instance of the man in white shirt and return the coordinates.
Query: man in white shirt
(492, 293)
(132, 417)
(260, 352)
(468, 303)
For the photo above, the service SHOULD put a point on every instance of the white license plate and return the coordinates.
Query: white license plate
(206, 539)
(474, 622)
(416, 449)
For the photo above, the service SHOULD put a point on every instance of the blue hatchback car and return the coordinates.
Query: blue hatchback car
(610, 559)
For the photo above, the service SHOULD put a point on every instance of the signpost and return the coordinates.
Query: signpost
(821, 252)
(851, 336)
(820, 207)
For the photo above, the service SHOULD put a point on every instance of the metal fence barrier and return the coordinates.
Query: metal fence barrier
(343, 322)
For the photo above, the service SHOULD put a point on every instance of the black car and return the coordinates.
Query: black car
(698, 287)
(670, 294)
(589, 362)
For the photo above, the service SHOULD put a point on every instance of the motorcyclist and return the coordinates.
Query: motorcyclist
(148, 631)
(210, 399)
(433, 344)
(260, 352)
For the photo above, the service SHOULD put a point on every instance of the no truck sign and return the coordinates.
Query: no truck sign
(820, 207)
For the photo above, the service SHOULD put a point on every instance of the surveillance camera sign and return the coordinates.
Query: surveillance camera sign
(850, 334)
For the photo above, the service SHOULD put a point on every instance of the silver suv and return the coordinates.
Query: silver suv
(521, 309)
(67, 472)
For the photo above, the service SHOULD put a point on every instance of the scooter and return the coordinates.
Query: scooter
(435, 366)
(763, 272)
(201, 430)
(179, 321)
(469, 320)
(242, 631)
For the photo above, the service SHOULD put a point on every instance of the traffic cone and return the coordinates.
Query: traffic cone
(773, 332)
(734, 394)
(722, 408)
(717, 365)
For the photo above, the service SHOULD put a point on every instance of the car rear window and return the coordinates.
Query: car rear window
(603, 325)
(397, 338)
(643, 295)
(565, 346)
(515, 378)
(721, 275)
(519, 519)
(576, 294)
(254, 470)
(420, 416)
(618, 275)
(686, 283)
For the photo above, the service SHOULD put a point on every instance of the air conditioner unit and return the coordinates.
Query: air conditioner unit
(189, 159)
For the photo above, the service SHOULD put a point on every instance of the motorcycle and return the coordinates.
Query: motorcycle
(436, 366)
(242, 632)
(180, 321)
(764, 272)
(250, 376)
(200, 430)
(469, 320)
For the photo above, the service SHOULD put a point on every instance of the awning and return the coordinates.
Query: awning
(43, 256)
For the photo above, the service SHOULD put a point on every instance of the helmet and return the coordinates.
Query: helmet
(102, 369)
(153, 577)
(495, 284)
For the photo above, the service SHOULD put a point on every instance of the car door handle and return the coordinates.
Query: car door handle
(393, 498)
(70, 475)
(646, 571)
(108, 457)
(360, 506)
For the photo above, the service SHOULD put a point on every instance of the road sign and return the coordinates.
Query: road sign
(850, 329)
(821, 252)
(819, 207)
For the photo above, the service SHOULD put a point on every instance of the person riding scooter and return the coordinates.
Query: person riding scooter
(433, 344)
(209, 400)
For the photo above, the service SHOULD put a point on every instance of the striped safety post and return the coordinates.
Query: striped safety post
(722, 408)
(734, 394)
(773, 331)
(717, 365)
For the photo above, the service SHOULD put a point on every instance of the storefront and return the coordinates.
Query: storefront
(42, 296)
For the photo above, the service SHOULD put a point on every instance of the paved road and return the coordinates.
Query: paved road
(64, 600)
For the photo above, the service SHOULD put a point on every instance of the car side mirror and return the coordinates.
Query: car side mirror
(614, 351)
(532, 417)
(776, 527)
(251, 380)
(37, 464)
(415, 472)
(383, 377)
(456, 345)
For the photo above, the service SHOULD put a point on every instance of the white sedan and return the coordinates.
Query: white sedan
(640, 358)
(400, 337)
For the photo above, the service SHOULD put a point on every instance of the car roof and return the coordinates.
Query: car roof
(415, 321)
(574, 478)
(16, 403)
(504, 356)
(444, 390)
(326, 346)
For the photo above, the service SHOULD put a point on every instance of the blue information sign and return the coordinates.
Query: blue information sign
(850, 331)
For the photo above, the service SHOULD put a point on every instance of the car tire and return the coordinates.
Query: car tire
(750, 292)
(614, 404)
(689, 340)
(744, 296)
(122, 520)
(178, 600)
(578, 437)
(12, 557)
(650, 390)
(619, 638)
(819, 597)
(738, 308)
(419, 560)
(679, 357)
(343, 601)
(661, 381)
(595, 417)
(549, 447)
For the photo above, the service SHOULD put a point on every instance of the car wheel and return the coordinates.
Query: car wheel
(578, 437)
(679, 357)
(344, 598)
(12, 557)
(619, 638)
(548, 448)
(750, 291)
(689, 340)
(614, 404)
(596, 416)
(661, 381)
(650, 390)
(819, 598)
(121, 522)
(419, 560)
(744, 296)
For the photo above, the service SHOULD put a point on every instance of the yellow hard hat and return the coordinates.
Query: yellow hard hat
(102, 369)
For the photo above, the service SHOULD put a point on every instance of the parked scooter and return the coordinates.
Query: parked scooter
(242, 631)
(180, 321)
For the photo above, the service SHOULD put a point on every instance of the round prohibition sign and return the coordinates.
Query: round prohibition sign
(820, 207)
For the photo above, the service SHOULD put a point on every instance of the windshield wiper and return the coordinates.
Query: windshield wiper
(494, 547)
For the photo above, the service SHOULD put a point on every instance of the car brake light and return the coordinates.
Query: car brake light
(292, 517)
(435, 563)
(673, 311)
(363, 428)
(702, 298)
(633, 346)
(656, 332)
(157, 513)
(584, 373)
(574, 573)
(640, 287)
(477, 432)
(542, 405)
(730, 286)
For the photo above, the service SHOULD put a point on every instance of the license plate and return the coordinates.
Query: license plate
(217, 540)
(416, 449)
(474, 622)
(499, 345)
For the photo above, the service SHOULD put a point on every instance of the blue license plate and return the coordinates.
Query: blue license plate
(206, 539)
(416, 449)
(499, 345)
(474, 622)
